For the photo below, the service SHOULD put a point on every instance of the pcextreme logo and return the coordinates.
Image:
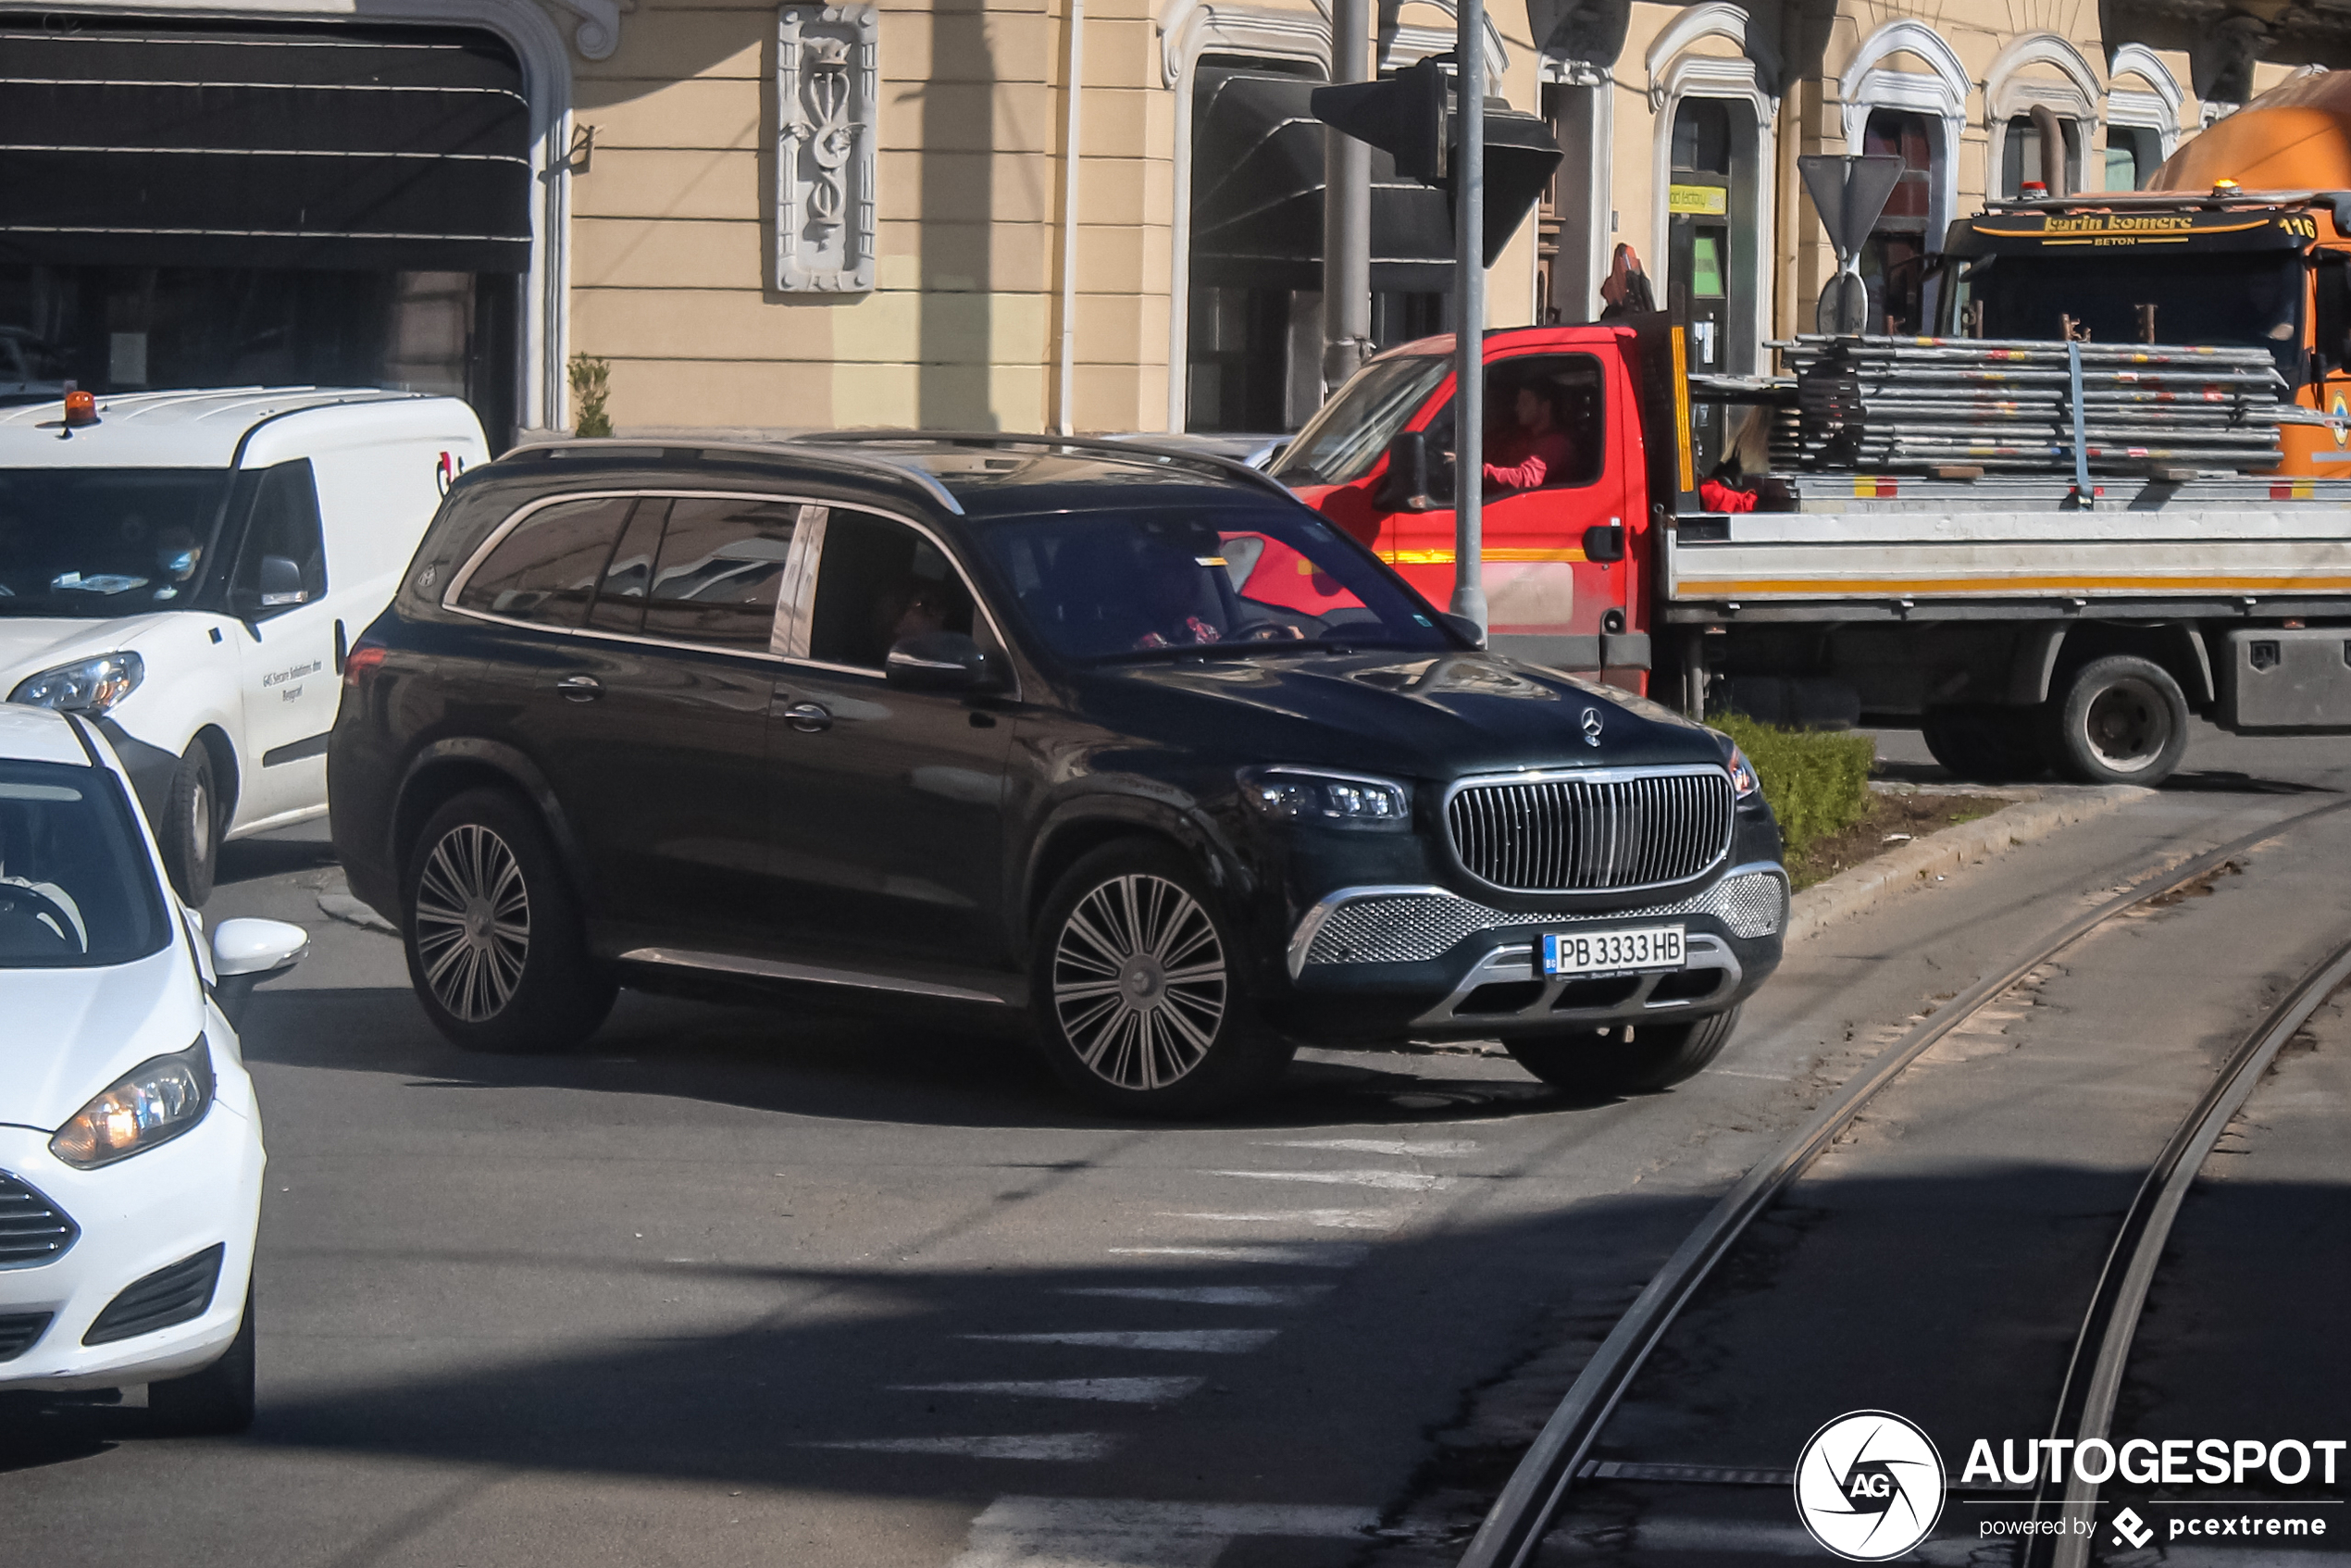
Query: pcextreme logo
(1869, 1486)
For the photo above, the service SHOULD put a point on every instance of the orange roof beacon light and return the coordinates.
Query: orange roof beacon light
(81, 408)
(2224, 187)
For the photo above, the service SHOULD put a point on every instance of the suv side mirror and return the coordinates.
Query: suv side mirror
(1604, 541)
(1464, 627)
(938, 661)
(1406, 486)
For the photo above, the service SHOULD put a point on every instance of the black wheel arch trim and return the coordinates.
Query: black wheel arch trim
(515, 767)
(1101, 814)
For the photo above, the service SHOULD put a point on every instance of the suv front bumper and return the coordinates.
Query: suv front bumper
(1423, 961)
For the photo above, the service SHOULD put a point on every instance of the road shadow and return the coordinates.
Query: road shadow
(797, 1059)
(272, 854)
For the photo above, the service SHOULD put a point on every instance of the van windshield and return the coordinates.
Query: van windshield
(1340, 443)
(84, 543)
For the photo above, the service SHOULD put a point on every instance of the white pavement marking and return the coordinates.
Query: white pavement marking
(1320, 1254)
(1208, 1295)
(1325, 1219)
(1066, 1447)
(1091, 1533)
(1111, 1391)
(1439, 1150)
(1210, 1341)
(1393, 1181)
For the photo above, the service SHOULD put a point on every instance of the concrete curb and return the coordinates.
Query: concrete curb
(351, 912)
(1872, 882)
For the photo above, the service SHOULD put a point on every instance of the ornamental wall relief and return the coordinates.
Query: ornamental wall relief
(827, 80)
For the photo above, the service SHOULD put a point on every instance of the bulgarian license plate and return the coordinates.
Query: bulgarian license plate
(1612, 952)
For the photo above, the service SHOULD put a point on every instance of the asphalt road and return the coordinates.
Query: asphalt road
(768, 1286)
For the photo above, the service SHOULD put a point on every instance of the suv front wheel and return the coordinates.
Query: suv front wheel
(1630, 1060)
(1139, 1002)
(495, 946)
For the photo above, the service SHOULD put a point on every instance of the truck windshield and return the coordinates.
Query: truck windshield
(1189, 582)
(1340, 443)
(100, 542)
(2247, 300)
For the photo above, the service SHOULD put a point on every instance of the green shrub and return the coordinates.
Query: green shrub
(591, 385)
(1818, 783)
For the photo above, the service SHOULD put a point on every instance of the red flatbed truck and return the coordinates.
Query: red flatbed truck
(2022, 619)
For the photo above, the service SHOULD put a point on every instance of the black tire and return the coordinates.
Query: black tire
(1985, 744)
(189, 834)
(2120, 720)
(497, 950)
(214, 1402)
(1657, 1056)
(1156, 1039)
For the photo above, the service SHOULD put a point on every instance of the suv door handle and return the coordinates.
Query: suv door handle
(580, 688)
(809, 718)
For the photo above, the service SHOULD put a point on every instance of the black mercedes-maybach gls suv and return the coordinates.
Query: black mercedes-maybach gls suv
(1128, 746)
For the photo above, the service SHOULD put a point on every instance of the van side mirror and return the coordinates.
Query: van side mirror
(938, 661)
(276, 585)
(1604, 541)
(1407, 486)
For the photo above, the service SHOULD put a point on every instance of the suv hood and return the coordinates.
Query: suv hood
(1437, 715)
(71, 1032)
(31, 645)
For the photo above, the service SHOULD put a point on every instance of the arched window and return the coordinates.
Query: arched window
(1893, 259)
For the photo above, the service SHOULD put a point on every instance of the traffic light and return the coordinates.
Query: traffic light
(1413, 117)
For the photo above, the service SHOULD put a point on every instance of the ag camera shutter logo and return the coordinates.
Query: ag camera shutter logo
(1869, 1486)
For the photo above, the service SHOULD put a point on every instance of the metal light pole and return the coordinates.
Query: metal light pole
(1469, 312)
(1346, 210)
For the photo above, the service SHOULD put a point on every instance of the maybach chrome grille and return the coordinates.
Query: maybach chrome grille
(1608, 832)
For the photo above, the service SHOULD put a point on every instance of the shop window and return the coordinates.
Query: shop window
(2021, 155)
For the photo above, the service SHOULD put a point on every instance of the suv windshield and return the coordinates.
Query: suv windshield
(1341, 442)
(1139, 584)
(82, 542)
(75, 890)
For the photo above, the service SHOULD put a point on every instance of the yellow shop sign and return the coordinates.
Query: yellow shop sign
(1710, 200)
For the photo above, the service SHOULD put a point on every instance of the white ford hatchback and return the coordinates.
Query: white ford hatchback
(130, 1153)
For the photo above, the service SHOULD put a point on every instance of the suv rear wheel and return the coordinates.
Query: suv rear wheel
(1657, 1056)
(496, 949)
(1138, 1003)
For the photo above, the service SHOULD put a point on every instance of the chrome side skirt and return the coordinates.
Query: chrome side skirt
(810, 974)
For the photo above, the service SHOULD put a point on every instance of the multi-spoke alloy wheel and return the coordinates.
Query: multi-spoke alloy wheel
(1142, 1002)
(473, 922)
(1140, 981)
(497, 943)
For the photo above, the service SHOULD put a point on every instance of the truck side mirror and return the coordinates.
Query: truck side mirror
(1604, 541)
(1405, 488)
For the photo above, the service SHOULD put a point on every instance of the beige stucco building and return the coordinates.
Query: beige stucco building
(1012, 214)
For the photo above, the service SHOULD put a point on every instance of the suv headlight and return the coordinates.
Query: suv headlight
(1743, 775)
(86, 686)
(1334, 800)
(153, 1103)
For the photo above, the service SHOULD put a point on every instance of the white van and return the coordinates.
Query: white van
(188, 570)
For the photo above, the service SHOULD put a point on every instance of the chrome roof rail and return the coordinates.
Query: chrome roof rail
(861, 462)
(1223, 467)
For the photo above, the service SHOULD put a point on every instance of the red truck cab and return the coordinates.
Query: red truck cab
(1566, 560)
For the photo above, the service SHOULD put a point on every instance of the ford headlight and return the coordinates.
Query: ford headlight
(86, 686)
(1334, 800)
(153, 1103)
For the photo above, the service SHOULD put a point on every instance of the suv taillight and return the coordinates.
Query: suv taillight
(359, 663)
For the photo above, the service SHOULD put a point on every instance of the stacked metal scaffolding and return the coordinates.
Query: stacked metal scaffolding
(2007, 405)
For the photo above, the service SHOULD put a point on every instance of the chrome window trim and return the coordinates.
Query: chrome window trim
(1587, 776)
(1311, 923)
(795, 597)
(814, 974)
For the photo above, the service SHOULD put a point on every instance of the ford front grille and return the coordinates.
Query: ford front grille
(1601, 830)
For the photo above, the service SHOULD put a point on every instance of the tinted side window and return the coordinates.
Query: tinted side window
(716, 577)
(283, 561)
(877, 581)
(546, 571)
(620, 603)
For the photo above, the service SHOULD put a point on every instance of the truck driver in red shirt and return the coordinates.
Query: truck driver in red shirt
(1535, 451)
